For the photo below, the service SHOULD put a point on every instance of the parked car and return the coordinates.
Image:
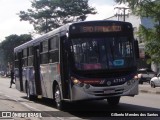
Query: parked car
(146, 75)
(155, 81)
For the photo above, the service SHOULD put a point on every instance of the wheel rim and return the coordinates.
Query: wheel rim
(57, 97)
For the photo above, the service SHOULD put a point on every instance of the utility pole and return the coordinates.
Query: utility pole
(123, 13)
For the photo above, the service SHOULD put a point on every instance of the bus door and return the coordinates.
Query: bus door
(37, 70)
(20, 70)
(64, 68)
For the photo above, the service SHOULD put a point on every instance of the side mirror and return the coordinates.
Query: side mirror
(136, 48)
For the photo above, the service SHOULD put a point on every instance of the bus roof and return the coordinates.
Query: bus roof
(94, 21)
(62, 31)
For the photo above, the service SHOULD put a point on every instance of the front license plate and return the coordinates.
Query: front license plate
(109, 91)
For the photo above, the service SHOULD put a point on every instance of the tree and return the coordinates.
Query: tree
(7, 47)
(46, 15)
(151, 36)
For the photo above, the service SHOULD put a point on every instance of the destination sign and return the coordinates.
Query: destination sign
(113, 28)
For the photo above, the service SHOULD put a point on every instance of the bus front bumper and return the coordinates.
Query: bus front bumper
(86, 92)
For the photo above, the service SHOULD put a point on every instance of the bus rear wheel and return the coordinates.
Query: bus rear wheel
(113, 101)
(57, 98)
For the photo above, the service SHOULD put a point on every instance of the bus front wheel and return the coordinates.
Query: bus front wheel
(113, 100)
(57, 98)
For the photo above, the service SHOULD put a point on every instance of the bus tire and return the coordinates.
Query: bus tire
(113, 100)
(29, 96)
(57, 98)
(140, 82)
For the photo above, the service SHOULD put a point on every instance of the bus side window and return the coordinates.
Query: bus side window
(44, 52)
(30, 56)
(54, 49)
(24, 59)
(16, 60)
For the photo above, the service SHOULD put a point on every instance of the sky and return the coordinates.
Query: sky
(10, 22)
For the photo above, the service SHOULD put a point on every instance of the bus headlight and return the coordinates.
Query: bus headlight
(77, 82)
(137, 77)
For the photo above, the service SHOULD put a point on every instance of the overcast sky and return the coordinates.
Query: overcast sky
(11, 24)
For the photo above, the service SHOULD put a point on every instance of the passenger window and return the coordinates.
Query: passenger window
(30, 56)
(44, 58)
(25, 52)
(30, 51)
(54, 56)
(54, 49)
(54, 43)
(16, 63)
(44, 52)
(45, 46)
(24, 59)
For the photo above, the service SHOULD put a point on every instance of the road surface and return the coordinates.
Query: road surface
(14, 101)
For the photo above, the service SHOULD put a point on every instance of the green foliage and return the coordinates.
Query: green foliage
(132, 3)
(144, 8)
(46, 15)
(152, 41)
(7, 47)
(151, 36)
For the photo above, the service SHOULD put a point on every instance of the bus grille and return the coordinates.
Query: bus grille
(108, 94)
(102, 93)
(105, 85)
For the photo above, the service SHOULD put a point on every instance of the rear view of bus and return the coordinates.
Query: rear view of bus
(103, 57)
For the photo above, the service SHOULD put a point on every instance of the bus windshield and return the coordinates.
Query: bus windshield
(103, 53)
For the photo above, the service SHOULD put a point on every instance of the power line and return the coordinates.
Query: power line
(123, 12)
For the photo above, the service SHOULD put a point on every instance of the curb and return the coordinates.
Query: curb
(150, 91)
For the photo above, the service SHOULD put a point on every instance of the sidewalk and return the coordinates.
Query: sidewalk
(146, 88)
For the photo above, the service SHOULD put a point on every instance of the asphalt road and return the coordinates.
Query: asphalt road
(13, 100)
(146, 88)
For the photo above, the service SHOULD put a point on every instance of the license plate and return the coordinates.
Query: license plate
(109, 91)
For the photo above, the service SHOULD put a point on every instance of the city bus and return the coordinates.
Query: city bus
(87, 60)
